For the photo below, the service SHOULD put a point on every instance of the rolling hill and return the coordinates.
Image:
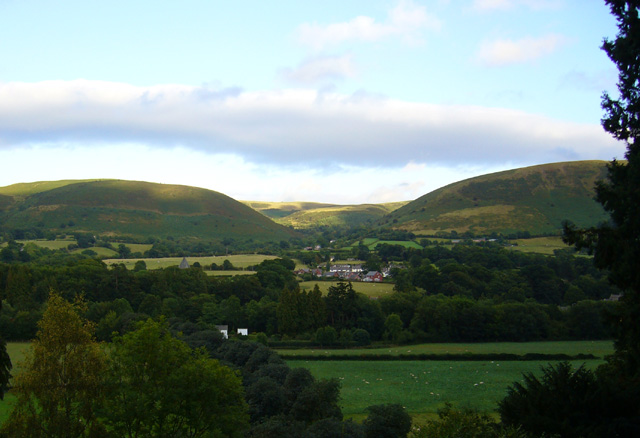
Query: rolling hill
(535, 199)
(132, 208)
(306, 215)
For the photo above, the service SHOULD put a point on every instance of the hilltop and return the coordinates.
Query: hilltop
(133, 208)
(535, 199)
(532, 199)
(306, 215)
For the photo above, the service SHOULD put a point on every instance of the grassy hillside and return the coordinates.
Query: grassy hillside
(535, 199)
(114, 207)
(27, 189)
(305, 215)
(277, 210)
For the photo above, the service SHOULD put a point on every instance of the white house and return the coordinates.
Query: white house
(224, 329)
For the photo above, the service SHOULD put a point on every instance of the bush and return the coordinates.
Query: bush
(387, 421)
(361, 337)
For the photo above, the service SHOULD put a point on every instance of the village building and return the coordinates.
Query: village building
(373, 276)
(224, 329)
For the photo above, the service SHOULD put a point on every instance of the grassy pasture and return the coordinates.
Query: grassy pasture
(597, 348)
(372, 242)
(542, 245)
(16, 351)
(241, 261)
(103, 252)
(135, 247)
(423, 387)
(50, 244)
(228, 273)
(372, 290)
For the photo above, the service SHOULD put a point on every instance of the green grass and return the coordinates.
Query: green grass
(423, 387)
(597, 348)
(16, 351)
(372, 290)
(241, 261)
(135, 247)
(228, 273)
(542, 245)
(50, 244)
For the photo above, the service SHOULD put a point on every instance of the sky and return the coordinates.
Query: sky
(346, 102)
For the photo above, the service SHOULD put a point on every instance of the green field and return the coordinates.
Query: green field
(597, 348)
(372, 242)
(101, 251)
(542, 245)
(372, 290)
(16, 351)
(423, 387)
(50, 244)
(241, 261)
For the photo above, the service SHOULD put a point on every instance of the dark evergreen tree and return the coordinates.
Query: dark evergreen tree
(616, 244)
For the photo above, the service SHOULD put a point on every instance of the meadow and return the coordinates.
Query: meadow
(16, 351)
(370, 289)
(541, 245)
(241, 261)
(599, 349)
(423, 387)
(372, 242)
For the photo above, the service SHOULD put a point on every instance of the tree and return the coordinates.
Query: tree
(465, 423)
(564, 402)
(615, 244)
(387, 421)
(326, 336)
(61, 379)
(392, 327)
(290, 312)
(159, 387)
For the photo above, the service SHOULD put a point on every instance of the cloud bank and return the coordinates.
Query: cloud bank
(289, 127)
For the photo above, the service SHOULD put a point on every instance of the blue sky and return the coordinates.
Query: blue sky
(346, 102)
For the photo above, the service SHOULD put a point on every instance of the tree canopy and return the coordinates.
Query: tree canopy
(616, 243)
(61, 378)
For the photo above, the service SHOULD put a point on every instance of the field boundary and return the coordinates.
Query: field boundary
(442, 357)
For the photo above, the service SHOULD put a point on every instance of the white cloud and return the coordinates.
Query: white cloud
(405, 20)
(508, 4)
(289, 127)
(321, 68)
(505, 52)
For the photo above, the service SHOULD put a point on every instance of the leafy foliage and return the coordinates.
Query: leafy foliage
(465, 423)
(61, 379)
(615, 243)
(387, 421)
(159, 387)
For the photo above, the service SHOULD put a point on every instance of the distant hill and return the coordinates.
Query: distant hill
(132, 208)
(306, 215)
(535, 199)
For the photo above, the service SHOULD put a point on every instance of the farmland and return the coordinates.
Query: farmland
(597, 348)
(423, 387)
(370, 289)
(241, 261)
(16, 351)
